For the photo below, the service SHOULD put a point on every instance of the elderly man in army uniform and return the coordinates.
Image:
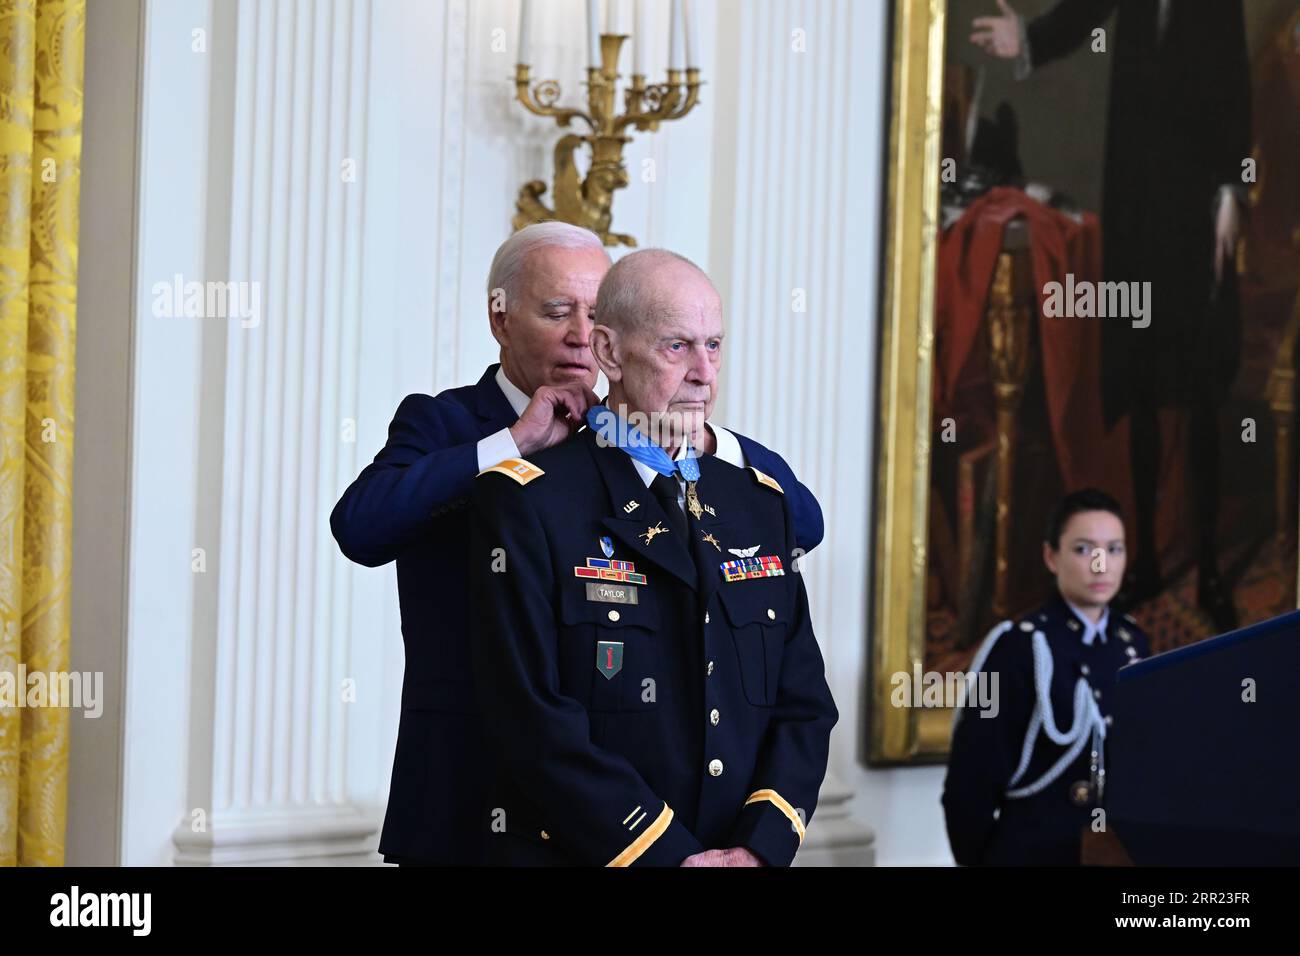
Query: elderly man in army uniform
(647, 666)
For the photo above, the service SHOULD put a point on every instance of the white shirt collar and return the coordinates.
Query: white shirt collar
(727, 447)
(514, 395)
(1091, 630)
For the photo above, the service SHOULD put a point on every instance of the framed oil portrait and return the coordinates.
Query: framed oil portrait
(1091, 279)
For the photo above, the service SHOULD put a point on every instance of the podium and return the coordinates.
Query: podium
(1204, 767)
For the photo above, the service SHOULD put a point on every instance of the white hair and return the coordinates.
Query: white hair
(508, 263)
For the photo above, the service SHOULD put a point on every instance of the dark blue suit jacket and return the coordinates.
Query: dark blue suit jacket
(411, 506)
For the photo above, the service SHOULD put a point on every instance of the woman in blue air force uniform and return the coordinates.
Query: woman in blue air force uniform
(1025, 778)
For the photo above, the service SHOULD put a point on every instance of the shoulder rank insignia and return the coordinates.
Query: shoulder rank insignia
(516, 468)
(767, 480)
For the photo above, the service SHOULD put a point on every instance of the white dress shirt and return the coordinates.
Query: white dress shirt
(501, 445)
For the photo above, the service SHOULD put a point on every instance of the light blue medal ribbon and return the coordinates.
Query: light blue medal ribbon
(614, 430)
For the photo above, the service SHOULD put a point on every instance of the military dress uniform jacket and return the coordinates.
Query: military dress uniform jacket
(640, 721)
(990, 819)
(410, 505)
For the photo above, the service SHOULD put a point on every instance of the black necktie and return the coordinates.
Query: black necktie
(665, 490)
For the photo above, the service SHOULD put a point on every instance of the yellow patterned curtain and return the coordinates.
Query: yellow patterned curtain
(41, 72)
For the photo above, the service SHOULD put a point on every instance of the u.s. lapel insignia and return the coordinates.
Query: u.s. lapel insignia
(649, 534)
(710, 539)
(744, 552)
(631, 506)
(607, 547)
(609, 658)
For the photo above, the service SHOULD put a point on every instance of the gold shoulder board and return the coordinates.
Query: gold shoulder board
(516, 468)
(767, 480)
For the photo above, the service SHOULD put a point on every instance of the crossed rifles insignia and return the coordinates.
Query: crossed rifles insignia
(649, 534)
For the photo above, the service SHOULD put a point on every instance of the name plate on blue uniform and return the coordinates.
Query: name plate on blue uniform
(611, 593)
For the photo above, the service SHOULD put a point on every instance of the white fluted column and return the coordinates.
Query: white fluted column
(270, 782)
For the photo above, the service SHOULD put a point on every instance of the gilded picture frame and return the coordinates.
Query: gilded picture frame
(910, 734)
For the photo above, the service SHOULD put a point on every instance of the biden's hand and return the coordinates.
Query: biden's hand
(555, 413)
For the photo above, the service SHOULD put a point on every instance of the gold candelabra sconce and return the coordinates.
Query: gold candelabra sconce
(588, 202)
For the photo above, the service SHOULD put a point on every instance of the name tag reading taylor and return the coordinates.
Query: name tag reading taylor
(611, 593)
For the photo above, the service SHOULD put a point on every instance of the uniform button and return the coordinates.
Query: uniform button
(1096, 694)
(1083, 669)
(706, 617)
(709, 671)
(771, 615)
(1026, 625)
(545, 835)
(613, 615)
(1109, 720)
(713, 716)
(715, 767)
